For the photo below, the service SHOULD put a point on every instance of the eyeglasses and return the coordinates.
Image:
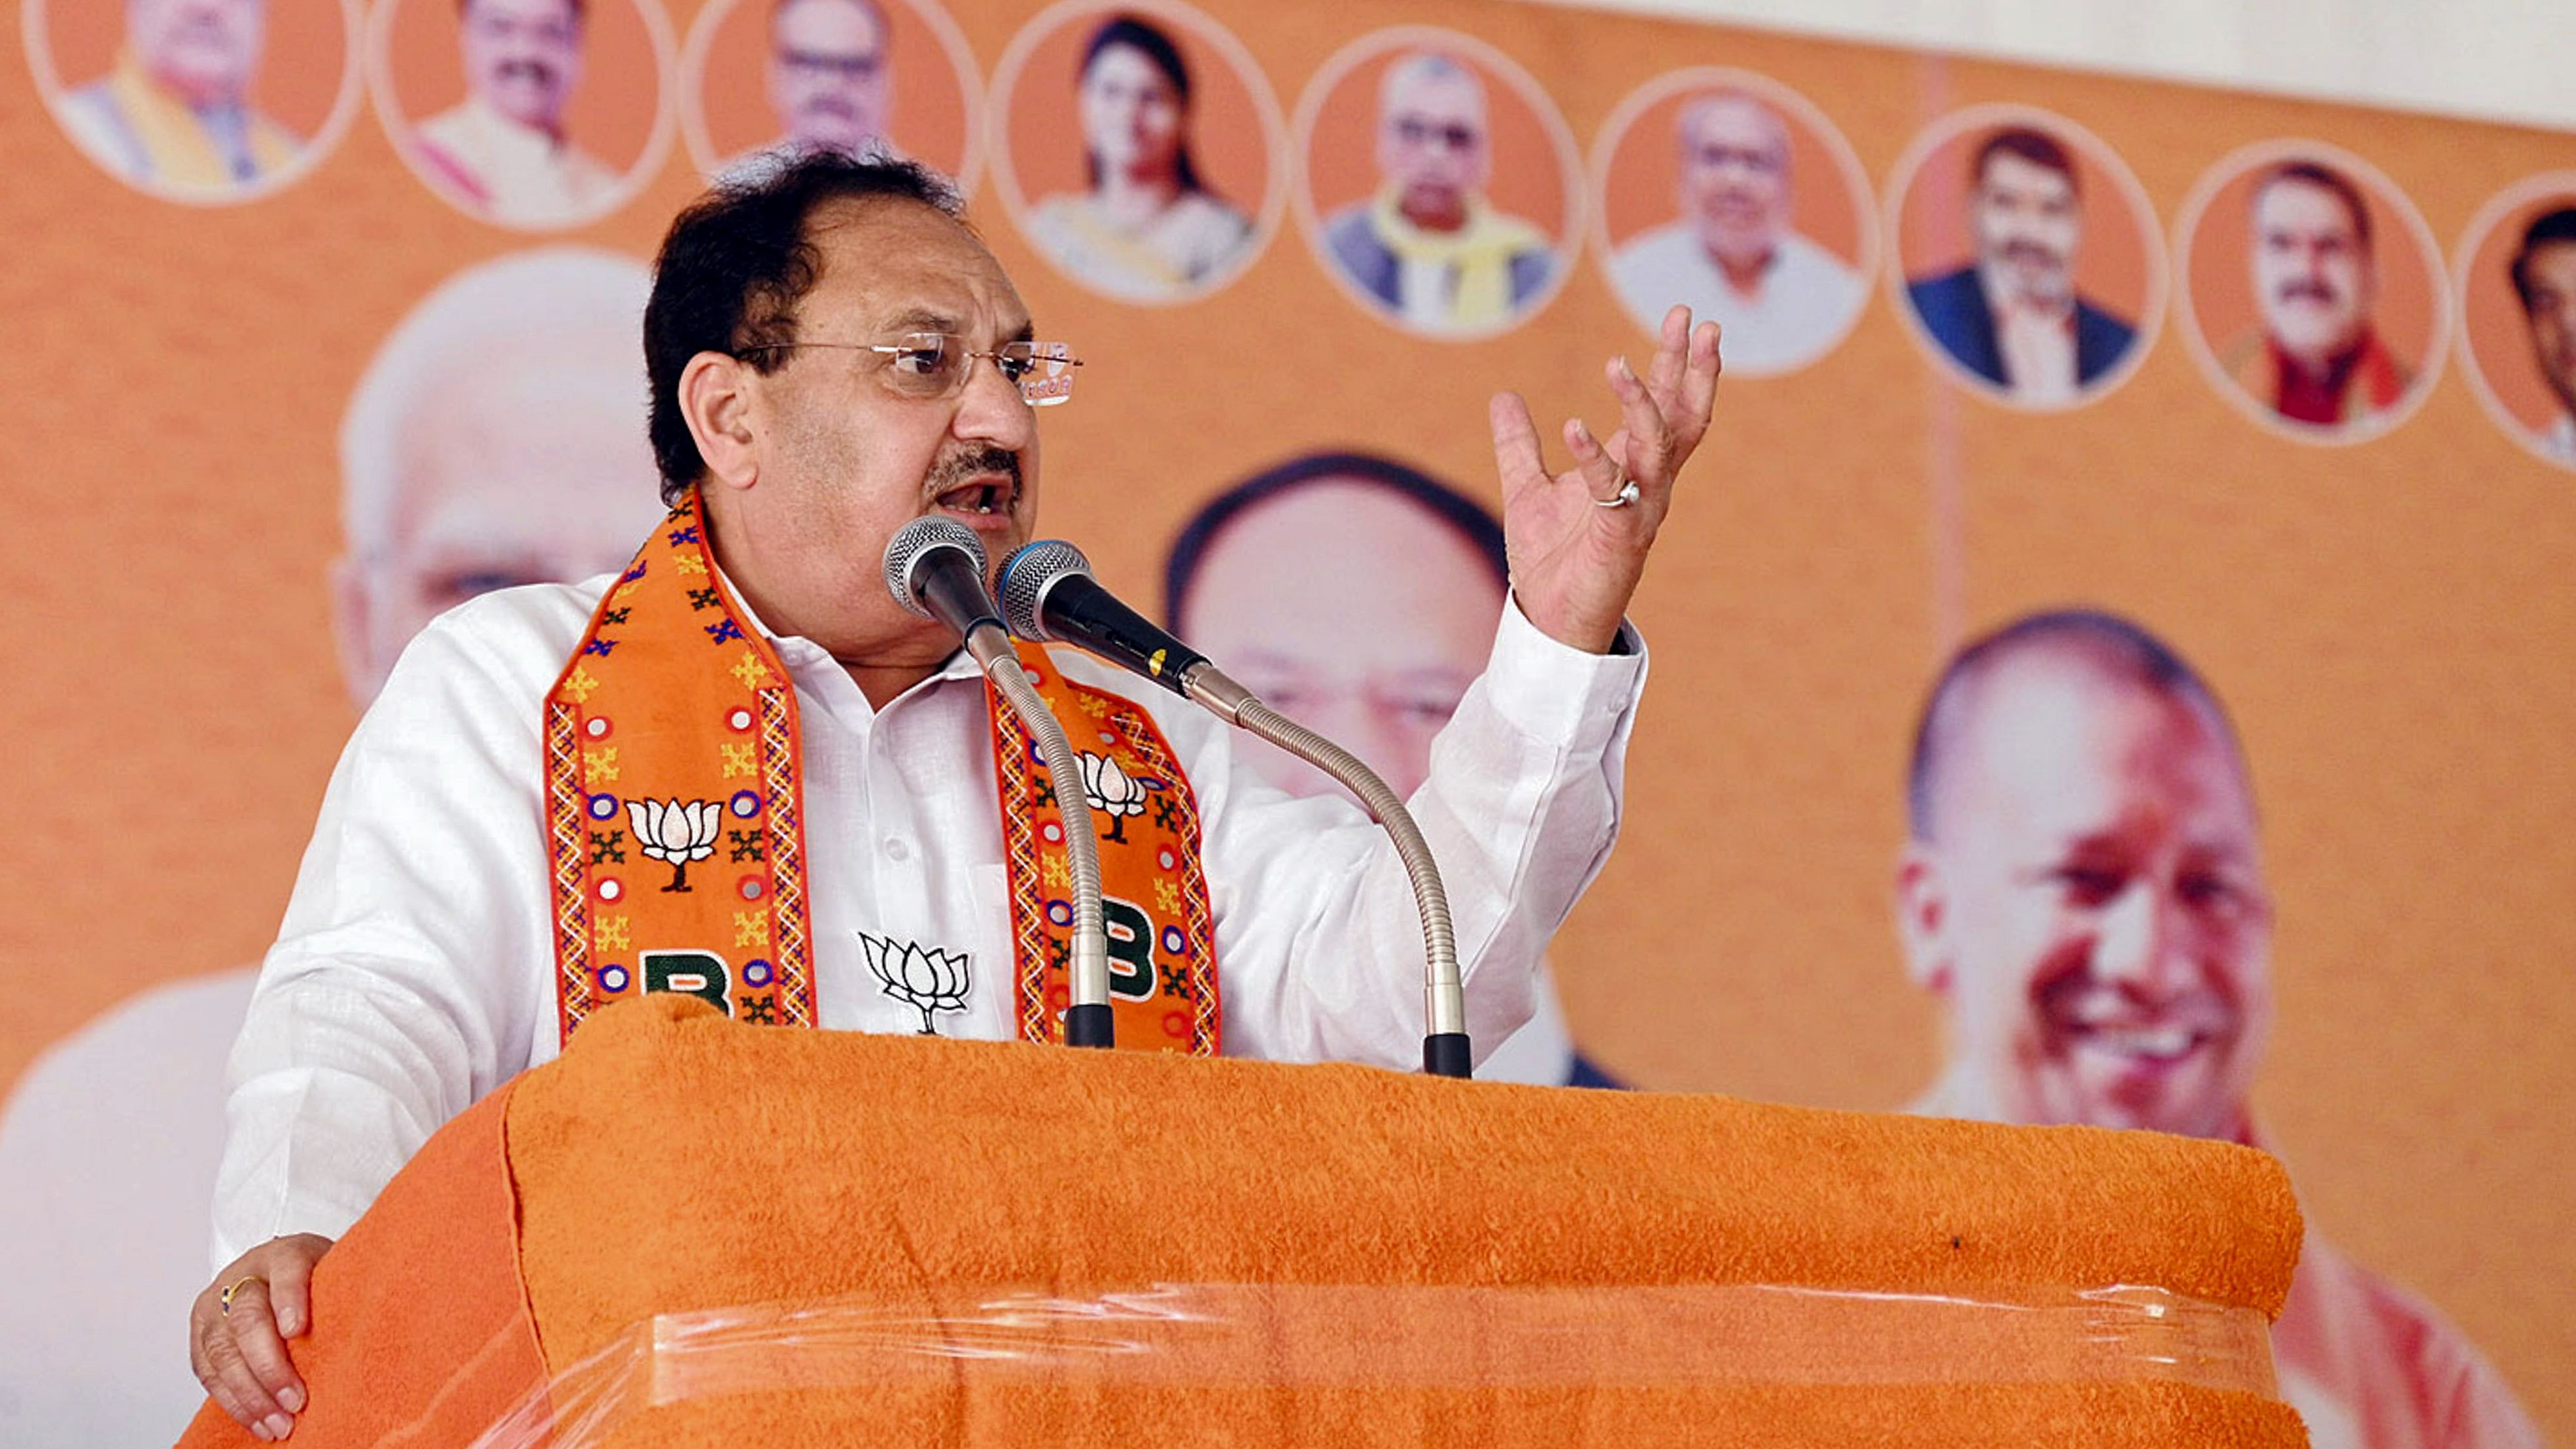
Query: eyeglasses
(931, 366)
(1457, 136)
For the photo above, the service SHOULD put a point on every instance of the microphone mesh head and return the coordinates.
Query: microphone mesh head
(1026, 576)
(916, 541)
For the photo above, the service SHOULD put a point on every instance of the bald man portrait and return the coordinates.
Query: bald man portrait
(1374, 650)
(1732, 253)
(2084, 890)
(1429, 249)
(496, 439)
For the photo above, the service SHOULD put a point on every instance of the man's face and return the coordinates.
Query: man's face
(1431, 146)
(2550, 271)
(523, 58)
(1131, 113)
(206, 50)
(2312, 273)
(842, 457)
(2027, 226)
(2093, 909)
(828, 77)
(1735, 179)
(525, 463)
(1374, 651)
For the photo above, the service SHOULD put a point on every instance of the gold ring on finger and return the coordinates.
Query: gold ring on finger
(235, 1286)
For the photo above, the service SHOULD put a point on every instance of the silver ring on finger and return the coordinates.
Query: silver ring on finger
(1626, 496)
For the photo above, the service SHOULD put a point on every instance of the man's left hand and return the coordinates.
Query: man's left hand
(1575, 562)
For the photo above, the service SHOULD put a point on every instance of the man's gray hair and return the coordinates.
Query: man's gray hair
(480, 311)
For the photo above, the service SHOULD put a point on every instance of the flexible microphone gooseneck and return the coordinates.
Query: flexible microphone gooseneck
(1049, 595)
(935, 568)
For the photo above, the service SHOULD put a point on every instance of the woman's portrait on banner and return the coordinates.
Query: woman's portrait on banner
(1143, 149)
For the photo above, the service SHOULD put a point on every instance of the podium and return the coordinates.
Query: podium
(690, 1232)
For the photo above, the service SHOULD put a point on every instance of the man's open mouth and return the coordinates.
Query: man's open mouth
(984, 496)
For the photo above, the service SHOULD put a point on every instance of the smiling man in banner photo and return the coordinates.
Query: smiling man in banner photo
(503, 149)
(833, 354)
(2012, 316)
(1429, 247)
(176, 110)
(2084, 890)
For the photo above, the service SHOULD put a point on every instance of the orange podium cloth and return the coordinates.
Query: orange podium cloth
(692, 1232)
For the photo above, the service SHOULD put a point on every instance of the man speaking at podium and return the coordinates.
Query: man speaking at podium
(833, 354)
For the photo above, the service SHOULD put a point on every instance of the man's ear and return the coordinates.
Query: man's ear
(352, 628)
(718, 396)
(1923, 918)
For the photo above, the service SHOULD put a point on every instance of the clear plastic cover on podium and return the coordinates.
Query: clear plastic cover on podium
(689, 1232)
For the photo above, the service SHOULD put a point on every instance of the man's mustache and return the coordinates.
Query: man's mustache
(2307, 289)
(525, 68)
(975, 462)
(2033, 253)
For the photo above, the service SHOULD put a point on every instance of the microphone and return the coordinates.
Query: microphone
(1049, 595)
(935, 568)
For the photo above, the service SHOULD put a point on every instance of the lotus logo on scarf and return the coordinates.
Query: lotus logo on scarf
(927, 981)
(676, 833)
(1113, 792)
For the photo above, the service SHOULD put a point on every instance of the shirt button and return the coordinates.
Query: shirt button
(895, 849)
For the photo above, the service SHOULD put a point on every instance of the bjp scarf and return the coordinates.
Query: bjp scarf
(674, 809)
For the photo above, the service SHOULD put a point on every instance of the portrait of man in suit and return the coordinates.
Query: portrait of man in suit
(2012, 316)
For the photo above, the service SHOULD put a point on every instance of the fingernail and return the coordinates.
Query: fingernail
(278, 1426)
(292, 1398)
(1626, 371)
(260, 1432)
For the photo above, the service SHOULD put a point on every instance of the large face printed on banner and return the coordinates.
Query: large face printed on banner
(1352, 609)
(841, 446)
(2092, 905)
(523, 58)
(2313, 272)
(204, 50)
(830, 77)
(498, 439)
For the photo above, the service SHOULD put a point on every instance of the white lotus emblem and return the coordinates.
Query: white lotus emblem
(1112, 792)
(676, 832)
(926, 980)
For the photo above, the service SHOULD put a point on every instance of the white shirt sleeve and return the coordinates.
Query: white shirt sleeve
(396, 994)
(1319, 946)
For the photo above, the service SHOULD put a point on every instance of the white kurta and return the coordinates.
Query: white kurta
(1807, 302)
(415, 969)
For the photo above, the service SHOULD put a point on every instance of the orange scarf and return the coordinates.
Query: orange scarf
(674, 809)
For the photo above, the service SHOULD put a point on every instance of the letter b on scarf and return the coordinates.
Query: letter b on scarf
(697, 973)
